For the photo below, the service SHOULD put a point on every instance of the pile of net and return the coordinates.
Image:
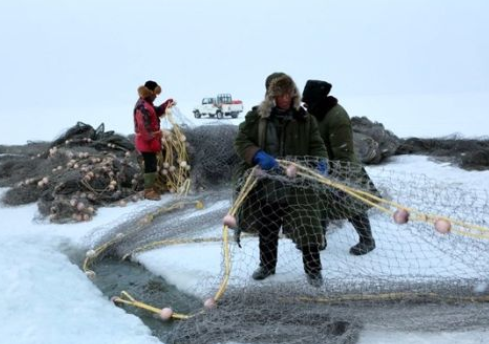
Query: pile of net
(87, 168)
(470, 154)
(429, 271)
(373, 143)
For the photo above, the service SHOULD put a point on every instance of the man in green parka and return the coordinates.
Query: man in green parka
(336, 131)
(277, 128)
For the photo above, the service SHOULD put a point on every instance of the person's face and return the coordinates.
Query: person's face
(152, 97)
(283, 101)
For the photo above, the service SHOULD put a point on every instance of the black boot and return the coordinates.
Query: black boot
(268, 244)
(324, 226)
(312, 265)
(261, 273)
(361, 223)
(315, 280)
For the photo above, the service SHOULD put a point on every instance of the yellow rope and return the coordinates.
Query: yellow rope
(127, 299)
(249, 184)
(247, 187)
(168, 242)
(144, 220)
(178, 181)
(373, 200)
(97, 192)
(395, 296)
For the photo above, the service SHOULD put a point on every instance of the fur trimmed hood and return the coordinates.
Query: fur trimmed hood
(278, 86)
(145, 91)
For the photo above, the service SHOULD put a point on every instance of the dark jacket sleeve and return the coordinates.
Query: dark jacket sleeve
(160, 110)
(246, 142)
(316, 143)
(341, 136)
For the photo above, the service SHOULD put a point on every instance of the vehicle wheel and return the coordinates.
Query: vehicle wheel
(234, 115)
(219, 115)
(197, 114)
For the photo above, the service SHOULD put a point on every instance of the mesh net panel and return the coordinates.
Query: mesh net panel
(418, 278)
(428, 271)
(471, 154)
(87, 168)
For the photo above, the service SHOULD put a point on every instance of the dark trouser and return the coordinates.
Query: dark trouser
(311, 259)
(150, 162)
(150, 168)
(361, 223)
(268, 243)
(324, 226)
(270, 223)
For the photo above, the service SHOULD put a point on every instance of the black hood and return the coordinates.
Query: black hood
(315, 91)
(316, 96)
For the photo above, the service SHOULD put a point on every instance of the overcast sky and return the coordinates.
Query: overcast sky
(96, 53)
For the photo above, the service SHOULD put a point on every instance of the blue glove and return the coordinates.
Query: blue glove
(264, 160)
(322, 168)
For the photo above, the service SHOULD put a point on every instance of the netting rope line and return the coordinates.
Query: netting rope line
(160, 243)
(85, 140)
(97, 192)
(210, 303)
(395, 296)
(175, 146)
(92, 255)
(250, 182)
(127, 299)
(373, 200)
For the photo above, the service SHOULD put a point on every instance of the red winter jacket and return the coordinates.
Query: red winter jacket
(147, 125)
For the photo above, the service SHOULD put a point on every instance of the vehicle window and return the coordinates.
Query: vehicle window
(225, 98)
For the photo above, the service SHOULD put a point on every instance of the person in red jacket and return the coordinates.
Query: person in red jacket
(148, 132)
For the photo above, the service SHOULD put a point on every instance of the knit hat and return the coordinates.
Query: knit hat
(315, 90)
(150, 88)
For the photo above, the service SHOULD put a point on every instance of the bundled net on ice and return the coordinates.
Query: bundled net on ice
(87, 168)
(470, 154)
(429, 271)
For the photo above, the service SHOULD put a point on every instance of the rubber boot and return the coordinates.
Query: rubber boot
(149, 191)
(361, 223)
(268, 243)
(312, 265)
(262, 272)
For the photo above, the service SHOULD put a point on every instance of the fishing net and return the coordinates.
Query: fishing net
(470, 154)
(87, 168)
(373, 143)
(429, 271)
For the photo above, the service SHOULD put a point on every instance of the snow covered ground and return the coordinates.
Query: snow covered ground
(47, 299)
(64, 62)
